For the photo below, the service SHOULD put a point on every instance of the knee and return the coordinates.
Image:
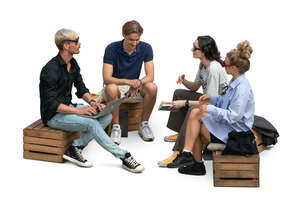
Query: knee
(111, 90)
(151, 88)
(195, 113)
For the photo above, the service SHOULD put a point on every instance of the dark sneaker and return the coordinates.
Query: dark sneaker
(184, 159)
(130, 164)
(207, 154)
(194, 169)
(74, 155)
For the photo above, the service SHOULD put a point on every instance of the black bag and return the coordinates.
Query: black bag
(266, 129)
(240, 143)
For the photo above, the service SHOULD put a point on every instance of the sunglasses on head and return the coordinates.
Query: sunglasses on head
(75, 41)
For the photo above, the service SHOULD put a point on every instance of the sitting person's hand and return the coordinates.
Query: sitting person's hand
(132, 92)
(98, 106)
(180, 79)
(178, 103)
(204, 99)
(86, 111)
(135, 83)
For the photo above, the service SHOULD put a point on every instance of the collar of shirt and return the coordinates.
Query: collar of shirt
(234, 83)
(63, 64)
(121, 49)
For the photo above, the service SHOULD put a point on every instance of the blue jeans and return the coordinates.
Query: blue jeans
(90, 128)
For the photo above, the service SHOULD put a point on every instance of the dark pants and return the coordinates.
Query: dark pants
(178, 120)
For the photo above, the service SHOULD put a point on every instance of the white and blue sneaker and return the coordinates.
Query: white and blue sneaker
(115, 134)
(145, 131)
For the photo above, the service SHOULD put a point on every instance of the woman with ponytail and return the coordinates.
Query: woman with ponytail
(218, 115)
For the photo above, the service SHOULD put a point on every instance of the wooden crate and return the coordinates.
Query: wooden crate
(135, 111)
(47, 144)
(235, 171)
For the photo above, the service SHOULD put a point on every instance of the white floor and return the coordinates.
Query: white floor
(32, 180)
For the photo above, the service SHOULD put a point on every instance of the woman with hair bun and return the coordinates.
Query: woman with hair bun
(218, 115)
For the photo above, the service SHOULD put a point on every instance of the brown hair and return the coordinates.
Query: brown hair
(132, 27)
(239, 57)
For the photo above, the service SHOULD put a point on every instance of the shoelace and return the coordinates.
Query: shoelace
(132, 162)
(79, 154)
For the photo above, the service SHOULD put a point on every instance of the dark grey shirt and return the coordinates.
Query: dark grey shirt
(56, 86)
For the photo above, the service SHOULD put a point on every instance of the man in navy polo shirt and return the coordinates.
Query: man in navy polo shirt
(122, 64)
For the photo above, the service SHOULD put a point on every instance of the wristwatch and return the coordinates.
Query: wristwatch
(186, 105)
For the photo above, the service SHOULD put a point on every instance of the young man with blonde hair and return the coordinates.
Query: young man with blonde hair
(57, 110)
(122, 63)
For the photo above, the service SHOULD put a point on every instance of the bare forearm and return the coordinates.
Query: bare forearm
(191, 85)
(112, 80)
(147, 79)
(193, 103)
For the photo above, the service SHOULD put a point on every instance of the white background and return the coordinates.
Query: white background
(27, 44)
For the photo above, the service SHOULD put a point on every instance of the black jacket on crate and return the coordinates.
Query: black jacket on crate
(266, 129)
(240, 143)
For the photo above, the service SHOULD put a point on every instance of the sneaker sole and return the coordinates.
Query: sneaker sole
(191, 173)
(146, 139)
(137, 170)
(85, 165)
(166, 139)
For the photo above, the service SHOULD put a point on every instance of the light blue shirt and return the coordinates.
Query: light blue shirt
(232, 112)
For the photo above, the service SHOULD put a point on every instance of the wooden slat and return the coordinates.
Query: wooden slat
(34, 124)
(45, 149)
(235, 158)
(232, 167)
(134, 120)
(44, 141)
(44, 128)
(43, 157)
(236, 174)
(133, 127)
(59, 135)
(131, 106)
(236, 183)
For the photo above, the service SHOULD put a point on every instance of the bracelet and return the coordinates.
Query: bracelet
(140, 81)
(92, 100)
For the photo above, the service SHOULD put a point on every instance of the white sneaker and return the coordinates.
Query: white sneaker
(115, 134)
(145, 132)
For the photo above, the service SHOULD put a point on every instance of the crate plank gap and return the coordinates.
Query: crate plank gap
(46, 144)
